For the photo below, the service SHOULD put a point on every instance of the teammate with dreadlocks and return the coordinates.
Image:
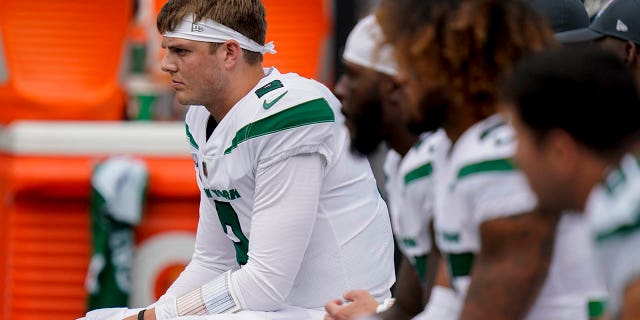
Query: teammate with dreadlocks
(507, 259)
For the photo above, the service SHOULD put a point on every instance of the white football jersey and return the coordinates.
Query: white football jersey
(477, 182)
(613, 211)
(409, 184)
(283, 116)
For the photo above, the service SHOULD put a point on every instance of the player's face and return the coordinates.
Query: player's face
(534, 160)
(616, 46)
(196, 75)
(357, 89)
(425, 111)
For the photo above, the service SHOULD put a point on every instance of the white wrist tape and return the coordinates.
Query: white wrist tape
(191, 304)
(385, 305)
(207, 30)
(218, 297)
(213, 298)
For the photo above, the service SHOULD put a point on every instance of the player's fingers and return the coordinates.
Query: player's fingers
(353, 294)
(333, 306)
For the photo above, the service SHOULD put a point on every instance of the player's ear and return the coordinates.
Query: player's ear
(632, 53)
(233, 53)
(387, 84)
(563, 150)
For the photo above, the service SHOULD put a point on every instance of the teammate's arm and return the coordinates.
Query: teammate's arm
(511, 266)
(433, 267)
(408, 294)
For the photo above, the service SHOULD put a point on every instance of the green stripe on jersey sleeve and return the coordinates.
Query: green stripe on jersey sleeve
(310, 112)
(422, 171)
(622, 230)
(192, 141)
(273, 85)
(486, 166)
(460, 264)
(596, 308)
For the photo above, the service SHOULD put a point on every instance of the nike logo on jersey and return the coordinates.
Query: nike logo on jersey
(268, 104)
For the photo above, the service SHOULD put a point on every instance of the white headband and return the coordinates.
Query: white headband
(364, 47)
(210, 31)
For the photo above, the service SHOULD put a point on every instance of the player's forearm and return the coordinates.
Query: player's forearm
(502, 292)
(508, 274)
(408, 294)
(434, 268)
(396, 313)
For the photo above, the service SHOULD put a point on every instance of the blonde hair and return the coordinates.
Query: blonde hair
(244, 16)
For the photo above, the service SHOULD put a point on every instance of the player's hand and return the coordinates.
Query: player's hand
(359, 304)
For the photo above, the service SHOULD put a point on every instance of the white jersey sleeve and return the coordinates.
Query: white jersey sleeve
(478, 182)
(413, 189)
(286, 203)
(494, 187)
(613, 211)
(213, 254)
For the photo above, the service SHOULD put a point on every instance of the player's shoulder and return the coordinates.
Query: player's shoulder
(294, 96)
(285, 114)
(428, 144)
(418, 163)
(613, 204)
(485, 148)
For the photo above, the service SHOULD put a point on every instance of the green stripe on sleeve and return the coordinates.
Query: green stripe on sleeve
(486, 166)
(421, 266)
(420, 172)
(192, 141)
(460, 264)
(623, 230)
(596, 308)
(273, 85)
(310, 112)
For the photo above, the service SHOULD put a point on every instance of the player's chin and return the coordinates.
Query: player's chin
(183, 98)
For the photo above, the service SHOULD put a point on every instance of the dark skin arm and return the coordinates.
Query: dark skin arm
(408, 294)
(511, 266)
(432, 267)
(408, 297)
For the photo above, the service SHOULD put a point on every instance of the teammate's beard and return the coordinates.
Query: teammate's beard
(432, 110)
(368, 129)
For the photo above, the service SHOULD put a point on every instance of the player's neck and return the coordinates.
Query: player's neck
(401, 141)
(458, 122)
(592, 172)
(240, 83)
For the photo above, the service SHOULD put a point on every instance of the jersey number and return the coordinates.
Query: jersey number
(231, 226)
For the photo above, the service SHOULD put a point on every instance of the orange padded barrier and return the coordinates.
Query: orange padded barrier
(63, 59)
(301, 31)
(45, 228)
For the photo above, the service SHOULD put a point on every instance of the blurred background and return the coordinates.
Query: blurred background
(85, 112)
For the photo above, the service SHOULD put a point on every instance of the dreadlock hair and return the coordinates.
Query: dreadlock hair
(460, 49)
